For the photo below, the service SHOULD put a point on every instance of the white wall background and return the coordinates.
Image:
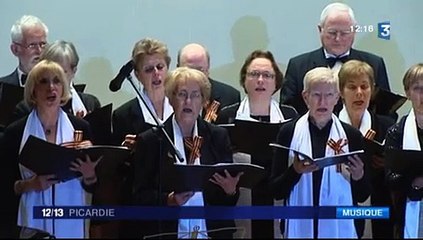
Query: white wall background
(104, 33)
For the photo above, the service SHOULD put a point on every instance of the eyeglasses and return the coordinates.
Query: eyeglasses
(334, 33)
(257, 74)
(183, 95)
(33, 46)
(150, 69)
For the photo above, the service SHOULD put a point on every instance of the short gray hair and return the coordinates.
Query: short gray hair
(25, 22)
(59, 51)
(320, 75)
(336, 7)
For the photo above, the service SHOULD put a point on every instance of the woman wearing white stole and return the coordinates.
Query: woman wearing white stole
(261, 78)
(356, 84)
(188, 91)
(302, 183)
(407, 191)
(45, 91)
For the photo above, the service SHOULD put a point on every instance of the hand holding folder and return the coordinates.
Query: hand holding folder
(323, 161)
(182, 178)
(45, 158)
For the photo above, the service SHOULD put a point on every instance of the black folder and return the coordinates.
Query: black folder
(409, 162)
(323, 161)
(101, 124)
(79, 87)
(45, 158)
(385, 103)
(183, 178)
(10, 96)
(373, 147)
(244, 140)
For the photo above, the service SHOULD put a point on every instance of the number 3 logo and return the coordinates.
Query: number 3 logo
(384, 30)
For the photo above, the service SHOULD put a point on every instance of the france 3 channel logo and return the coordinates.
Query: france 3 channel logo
(384, 30)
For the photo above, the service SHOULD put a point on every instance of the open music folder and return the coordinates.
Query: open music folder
(323, 161)
(374, 147)
(101, 124)
(243, 140)
(45, 158)
(408, 162)
(183, 178)
(385, 103)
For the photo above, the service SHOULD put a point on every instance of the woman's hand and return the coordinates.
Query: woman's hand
(303, 166)
(86, 168)
(227, 182)
(178, 199)
(77, 145)
(130, 141)
(378, 162)
(355, 167)
(36, 183)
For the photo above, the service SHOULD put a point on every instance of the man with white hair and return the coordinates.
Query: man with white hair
(29, 37)
(337, 31)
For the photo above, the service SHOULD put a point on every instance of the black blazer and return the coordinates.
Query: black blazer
(90, 102)
(128, 119)
(215, 149)
(224, 93)
(298, 66)
(12, 78)
(10, 168)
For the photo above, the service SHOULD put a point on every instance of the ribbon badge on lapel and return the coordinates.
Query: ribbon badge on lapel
(194, 146)
(370, 134)
(211, 112)
(337, 146)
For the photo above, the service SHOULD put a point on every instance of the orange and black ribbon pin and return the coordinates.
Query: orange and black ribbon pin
(194, 146)
(337, 148)
(211, 112)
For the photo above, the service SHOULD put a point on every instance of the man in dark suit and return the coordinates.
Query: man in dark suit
(29, 37)
(196, 56)
(336, 28)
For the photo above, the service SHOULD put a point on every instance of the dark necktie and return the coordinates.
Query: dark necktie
(332, 60)
(23, 79)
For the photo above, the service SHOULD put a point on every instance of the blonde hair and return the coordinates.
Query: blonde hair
(35, 76)
(413, 74)
(355, 69)
(149, 46)
(320, 75)
(182, 75)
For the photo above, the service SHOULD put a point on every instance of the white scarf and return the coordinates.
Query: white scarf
(335, 189)
(186, 226)
(77, 104)
(412, 210)
(243, 112)
(69, 193)
(366, 120)
(167, 109)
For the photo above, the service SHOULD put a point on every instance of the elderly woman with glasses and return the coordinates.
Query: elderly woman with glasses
(45, 91)
(188, 91)
(261, 78)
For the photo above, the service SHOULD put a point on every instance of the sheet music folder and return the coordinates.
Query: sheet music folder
(323, 161)
(402, 161)
(196, 177)
(374, 147)
(384, 102)
(10, 96)
(243, 140)
(44, 158)
(101, 124)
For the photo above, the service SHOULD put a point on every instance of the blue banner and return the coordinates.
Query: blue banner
(169, 213)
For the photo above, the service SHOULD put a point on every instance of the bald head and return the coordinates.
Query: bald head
(195, 56)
